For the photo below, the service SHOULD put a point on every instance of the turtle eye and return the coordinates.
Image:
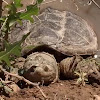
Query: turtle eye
(32, 69)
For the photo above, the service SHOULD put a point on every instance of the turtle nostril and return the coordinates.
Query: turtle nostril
(46, 69)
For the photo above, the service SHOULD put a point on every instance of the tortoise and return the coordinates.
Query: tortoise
(62, 31)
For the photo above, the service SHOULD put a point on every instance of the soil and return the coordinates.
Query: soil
(63, 90)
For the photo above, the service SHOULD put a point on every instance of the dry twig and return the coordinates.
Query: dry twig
(96, 3)
(22, 78)
(5, 2)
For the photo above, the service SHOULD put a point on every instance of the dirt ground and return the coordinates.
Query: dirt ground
(63, 90)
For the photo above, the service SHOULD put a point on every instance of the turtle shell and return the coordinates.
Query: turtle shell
(59, 30)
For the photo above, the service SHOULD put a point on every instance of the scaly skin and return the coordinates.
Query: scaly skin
(41, 67)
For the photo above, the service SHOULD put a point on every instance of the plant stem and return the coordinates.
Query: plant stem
(4, 24)
(96, 3)
(5, 2)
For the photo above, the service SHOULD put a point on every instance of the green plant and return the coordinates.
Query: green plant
(81, 78)
(9, 50)
(13, 16)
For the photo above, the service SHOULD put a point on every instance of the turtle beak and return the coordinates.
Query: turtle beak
(38, 70)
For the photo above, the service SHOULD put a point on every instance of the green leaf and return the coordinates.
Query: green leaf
(13, 18)
(12, 9)
(39, 1)
(26, 16)
(2, 19)
(31, 10)
(17, 3)
(11, 49)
